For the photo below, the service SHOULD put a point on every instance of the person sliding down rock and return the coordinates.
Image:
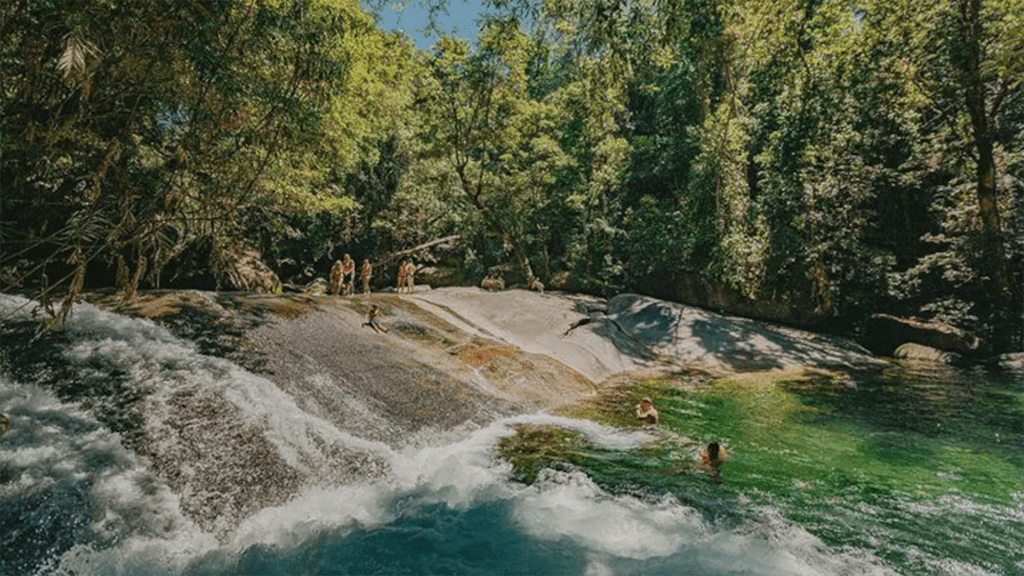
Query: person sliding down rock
(373, 322)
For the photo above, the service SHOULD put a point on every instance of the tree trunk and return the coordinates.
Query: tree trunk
(521, 258)
(973, 84)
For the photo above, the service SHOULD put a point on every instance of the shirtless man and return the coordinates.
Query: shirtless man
(410, 273)
(533, 283)
(348, 273)
(646, 413)
(401, 276)
(365, 274)
(335, 276)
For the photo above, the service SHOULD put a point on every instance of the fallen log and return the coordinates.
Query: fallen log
(392, 256)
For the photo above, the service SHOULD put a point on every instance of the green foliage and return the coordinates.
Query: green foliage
(534, 448)
(136, 130)
(483, 135)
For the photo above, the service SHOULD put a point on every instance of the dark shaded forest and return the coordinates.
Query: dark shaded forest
(806, 161)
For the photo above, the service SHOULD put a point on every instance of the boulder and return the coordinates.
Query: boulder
(920, 353)
(205, 266)
(883, 334)
(246, 271)
(695, 289)
(1011, 362)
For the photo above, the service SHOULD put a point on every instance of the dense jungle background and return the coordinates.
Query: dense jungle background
(807, 161)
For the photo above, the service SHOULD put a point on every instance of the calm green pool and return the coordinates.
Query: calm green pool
(921, 468)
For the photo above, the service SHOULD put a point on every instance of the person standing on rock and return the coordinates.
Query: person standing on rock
(365, 274)
(533, 283)
(410, 273)
(646, 413)
(402, 271)
(336, 272)
(348, 272)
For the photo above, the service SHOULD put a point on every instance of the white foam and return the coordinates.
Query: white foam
(561, 505)
(570, 505)
(52, 443)
(157, 361)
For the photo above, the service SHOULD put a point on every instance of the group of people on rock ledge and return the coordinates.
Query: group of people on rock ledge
(709, 458)
(343, 276)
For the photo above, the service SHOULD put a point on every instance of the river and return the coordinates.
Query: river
(891, 471)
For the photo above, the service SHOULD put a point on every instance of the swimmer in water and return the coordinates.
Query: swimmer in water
(5, 423)
(646, 413)
(711, 458)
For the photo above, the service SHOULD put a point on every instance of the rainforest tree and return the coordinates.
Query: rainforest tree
(135, 130)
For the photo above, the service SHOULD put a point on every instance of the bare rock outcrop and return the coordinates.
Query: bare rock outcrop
(883, 334)
(919, 353)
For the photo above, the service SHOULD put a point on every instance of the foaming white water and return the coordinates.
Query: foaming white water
(461, 475)
(162, 365)
(91, 485)
(568, 505)
(458, 474)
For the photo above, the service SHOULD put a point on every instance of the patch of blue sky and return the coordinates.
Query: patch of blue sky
(459, 18)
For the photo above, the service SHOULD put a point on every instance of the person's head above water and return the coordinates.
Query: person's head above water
(713, 450)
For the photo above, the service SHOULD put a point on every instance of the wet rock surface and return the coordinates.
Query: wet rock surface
(384, 387)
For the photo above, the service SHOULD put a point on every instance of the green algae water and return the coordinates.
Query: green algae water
(924, 469)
